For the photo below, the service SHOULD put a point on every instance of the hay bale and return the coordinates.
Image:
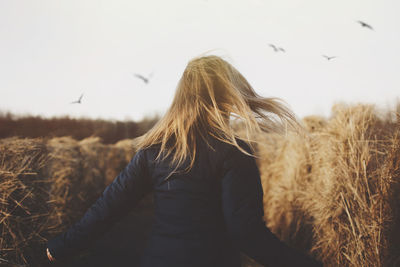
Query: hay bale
(94, 156)
(65, 172)
(102, 163)
(45, 186)
(80, 170)
(25, 218)
(119, 155)
(127, 145)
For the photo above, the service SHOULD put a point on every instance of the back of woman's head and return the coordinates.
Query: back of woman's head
(209, 95)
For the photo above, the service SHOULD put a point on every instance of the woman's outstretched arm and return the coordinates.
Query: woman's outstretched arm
(243, 212)
(116, 200)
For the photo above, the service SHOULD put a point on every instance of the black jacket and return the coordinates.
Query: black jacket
(203, 217)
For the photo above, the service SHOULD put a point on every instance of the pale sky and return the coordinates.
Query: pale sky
(53, 51)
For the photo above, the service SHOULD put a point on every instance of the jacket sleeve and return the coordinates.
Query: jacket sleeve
(243, 213)
(116, 200)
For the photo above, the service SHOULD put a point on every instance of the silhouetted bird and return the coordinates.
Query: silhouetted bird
(78, 101)
(144, 79)
(328, 57)
(277, 49)
(363, 24)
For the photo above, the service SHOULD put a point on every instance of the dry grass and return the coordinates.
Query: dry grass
(334, 192)
(45, 186)
(23, 216)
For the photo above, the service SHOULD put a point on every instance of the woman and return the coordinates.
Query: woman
(207, 190)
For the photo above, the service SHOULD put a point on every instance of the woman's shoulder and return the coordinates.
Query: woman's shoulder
(227, 150)
(146, 153)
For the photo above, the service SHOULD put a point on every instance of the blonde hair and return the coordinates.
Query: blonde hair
(209, 94)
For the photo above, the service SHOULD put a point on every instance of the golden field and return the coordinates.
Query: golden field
(334, 191)
(331, 191)
(45, 185)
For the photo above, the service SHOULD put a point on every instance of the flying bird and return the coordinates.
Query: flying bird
(365, 25)
(328, 57)
(277, 49)
(78, 101)
(143, 78)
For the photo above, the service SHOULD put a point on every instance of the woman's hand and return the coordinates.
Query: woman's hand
(49, 255)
